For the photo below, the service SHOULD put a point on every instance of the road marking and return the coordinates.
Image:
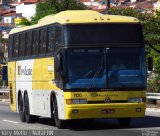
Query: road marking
(10, 121)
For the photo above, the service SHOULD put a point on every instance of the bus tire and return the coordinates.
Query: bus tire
(124, 122)
(21, 108)
(29, 118)
(58, 122)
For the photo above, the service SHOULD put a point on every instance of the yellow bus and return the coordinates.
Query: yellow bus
(78, 65)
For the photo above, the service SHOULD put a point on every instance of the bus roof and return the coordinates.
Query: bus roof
(77, 17)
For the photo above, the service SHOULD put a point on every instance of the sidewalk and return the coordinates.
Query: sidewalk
(4, 100)
(153, 109)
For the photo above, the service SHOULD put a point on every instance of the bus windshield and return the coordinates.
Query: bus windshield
(112, 69)
(86, 68)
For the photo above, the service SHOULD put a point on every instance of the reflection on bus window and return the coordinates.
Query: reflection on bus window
(15, 46)
(42, 41)
(92, 74)
(21, 45)
(28, 43)
(35, 43)
(126, 67)
(117, 65)
(51, 39)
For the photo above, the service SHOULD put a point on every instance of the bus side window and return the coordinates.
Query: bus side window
(35, 36)
(21, 45)
(28, 44)
(15, 46)
(42, 41)
(10, 47)
(50, 39)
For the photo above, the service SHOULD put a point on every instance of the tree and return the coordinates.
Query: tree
(62, 5)
(55, 6)
(42, 10)
(25, 22)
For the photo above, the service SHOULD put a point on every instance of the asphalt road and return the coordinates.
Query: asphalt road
(10, 125)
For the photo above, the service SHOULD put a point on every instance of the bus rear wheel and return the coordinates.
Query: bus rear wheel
(21, 108)
(58, 122)
(29, 118)
(124, 122)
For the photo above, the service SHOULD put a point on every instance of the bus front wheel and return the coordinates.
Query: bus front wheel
(58, 122)
(21, 108)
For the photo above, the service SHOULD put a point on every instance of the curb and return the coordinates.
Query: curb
(4, 100)
(153, 109)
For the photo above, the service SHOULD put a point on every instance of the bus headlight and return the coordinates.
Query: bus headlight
(136, 100)
(76, 101)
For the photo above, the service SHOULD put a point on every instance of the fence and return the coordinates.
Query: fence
(4, 93)
(4, 90)
(153, 98)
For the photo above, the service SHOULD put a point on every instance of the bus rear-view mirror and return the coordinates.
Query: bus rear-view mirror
(150, 64)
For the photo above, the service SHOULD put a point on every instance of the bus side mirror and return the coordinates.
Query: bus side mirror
(59, 62)
(59, 70)
(150, 64)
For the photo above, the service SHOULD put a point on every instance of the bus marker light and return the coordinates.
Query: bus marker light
(74, 111)
(138, 110)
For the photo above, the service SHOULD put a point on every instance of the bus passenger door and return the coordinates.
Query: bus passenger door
(12, 84)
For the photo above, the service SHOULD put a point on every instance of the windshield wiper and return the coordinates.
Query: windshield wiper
(97, 73)
(88, 73)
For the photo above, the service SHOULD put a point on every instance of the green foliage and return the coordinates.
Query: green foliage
(62, 5)
(130, 12)
(157, 65)
(154, 84)
(55, 6)
(25, 22)
(42, 10)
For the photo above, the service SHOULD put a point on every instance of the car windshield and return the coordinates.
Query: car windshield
(109, 68)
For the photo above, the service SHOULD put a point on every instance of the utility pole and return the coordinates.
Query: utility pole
(107, 6)
(77, 2)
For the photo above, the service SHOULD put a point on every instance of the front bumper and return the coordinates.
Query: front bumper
(115, 110)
